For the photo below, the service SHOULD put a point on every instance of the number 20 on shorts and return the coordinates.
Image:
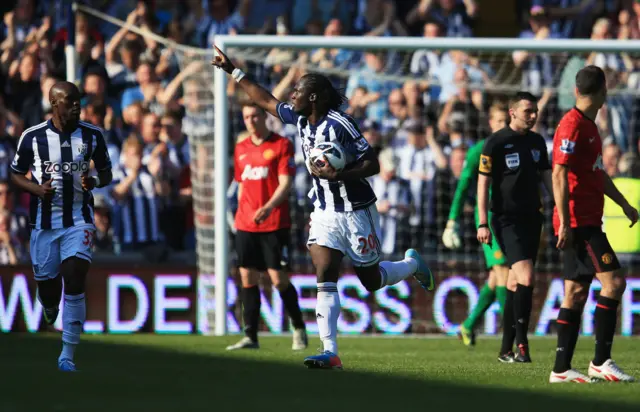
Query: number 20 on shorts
(367, 244)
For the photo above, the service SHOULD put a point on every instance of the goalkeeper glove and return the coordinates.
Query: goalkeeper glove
(451, 236)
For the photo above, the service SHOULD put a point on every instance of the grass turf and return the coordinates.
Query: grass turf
(194, 373)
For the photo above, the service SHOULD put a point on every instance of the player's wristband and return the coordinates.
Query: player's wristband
(483, 225)
(237, 75)
(97, 180)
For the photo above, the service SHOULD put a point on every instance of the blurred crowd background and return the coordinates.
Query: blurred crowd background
(420, 110)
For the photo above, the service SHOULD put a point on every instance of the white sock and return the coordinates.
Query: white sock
(393, 272)
(327, 313)
(73, 317)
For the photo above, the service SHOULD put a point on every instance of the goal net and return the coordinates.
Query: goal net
(402, 95)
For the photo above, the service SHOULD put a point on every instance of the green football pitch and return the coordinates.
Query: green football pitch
(194, 373)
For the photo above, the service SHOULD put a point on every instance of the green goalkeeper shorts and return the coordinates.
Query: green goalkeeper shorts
(493, 256)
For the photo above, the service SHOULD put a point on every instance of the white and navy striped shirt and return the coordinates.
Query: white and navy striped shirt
(335, 126)
(139, 220)
(51, 154)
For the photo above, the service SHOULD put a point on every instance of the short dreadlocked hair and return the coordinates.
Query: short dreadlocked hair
(324, 89)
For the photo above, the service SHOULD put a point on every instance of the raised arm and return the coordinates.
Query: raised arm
(258, 94)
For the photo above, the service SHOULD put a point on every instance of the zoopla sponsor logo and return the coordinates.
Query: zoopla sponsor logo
(66, 167)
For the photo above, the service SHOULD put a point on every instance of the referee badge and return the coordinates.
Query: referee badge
(512, 160)
(536, 155)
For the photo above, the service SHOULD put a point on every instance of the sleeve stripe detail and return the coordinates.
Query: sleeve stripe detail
(278, 107)
(345, 123)
(15, 169)
(33, 128)
(28, 133)
(90, 126)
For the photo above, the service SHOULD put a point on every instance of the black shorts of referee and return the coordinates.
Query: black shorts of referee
(518, 236)
(263, 250)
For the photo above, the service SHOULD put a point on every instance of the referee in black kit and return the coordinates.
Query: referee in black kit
(513, 161)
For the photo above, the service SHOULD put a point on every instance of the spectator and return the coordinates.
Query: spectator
(95, 112)
(446, 72)
(571, 18)
(222, 21)
(178, 143)
(537, 67)
(456, 15)
(123, 72)
(358, 104)
(328, 58)
(11, 251)
(19, 218)
(134, 190)
(148, 87)
(392, 125)
(456, 160)
(629, 165)
(7, 150)
(610, 159)
(413, 94)
(84, 28)
(394, 200)
(425, 63)
(634, 23)
(378, 18)
(24, 89)
(156, 150)
(377, 91)
(371, 132)
(169, 64)
(94, 86)
(132, 118)
(616, 118)
(419, 159)
(619, 62)
(464, 108)
(19, 24)
(103, 238)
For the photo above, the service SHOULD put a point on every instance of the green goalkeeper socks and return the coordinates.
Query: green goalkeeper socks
(486, 298)
(501, 296)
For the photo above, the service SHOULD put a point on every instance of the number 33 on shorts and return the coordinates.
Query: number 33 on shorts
(88, 238)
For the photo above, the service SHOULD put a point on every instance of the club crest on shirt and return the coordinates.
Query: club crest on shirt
(535, 153)
(268, 154)
(512, 160)
(82, 149)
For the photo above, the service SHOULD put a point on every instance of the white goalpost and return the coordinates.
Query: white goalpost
(221, 104)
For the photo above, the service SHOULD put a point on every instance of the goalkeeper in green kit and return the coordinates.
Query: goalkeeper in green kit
(495, 259)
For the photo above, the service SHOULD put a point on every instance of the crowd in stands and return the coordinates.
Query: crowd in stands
(420, 110)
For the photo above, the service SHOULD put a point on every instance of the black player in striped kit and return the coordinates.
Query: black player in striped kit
(58, 153)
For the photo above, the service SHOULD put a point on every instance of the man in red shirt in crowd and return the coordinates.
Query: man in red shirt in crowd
(579, 187)
(264, 169)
